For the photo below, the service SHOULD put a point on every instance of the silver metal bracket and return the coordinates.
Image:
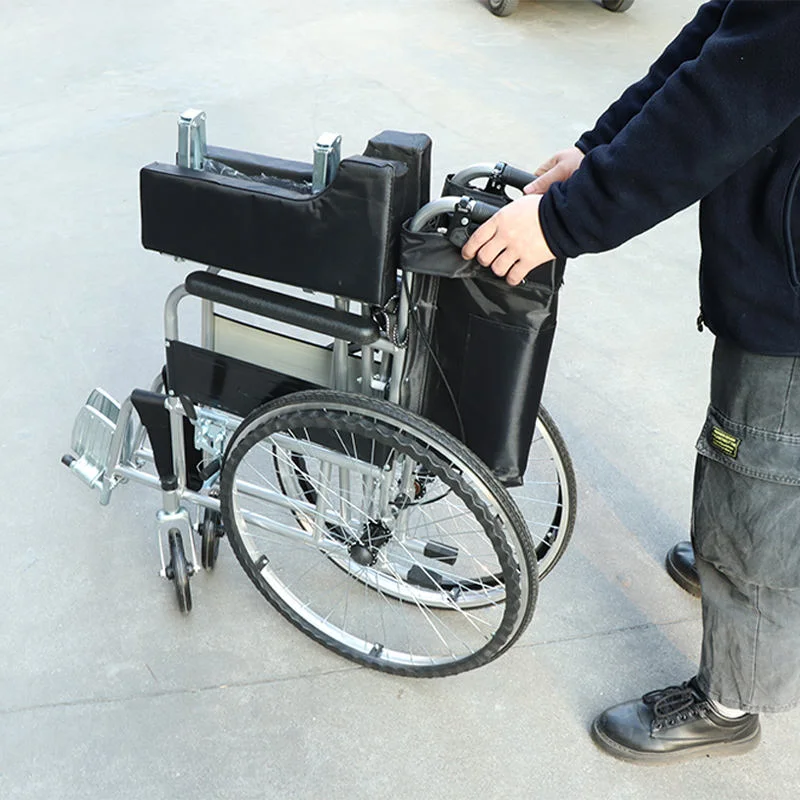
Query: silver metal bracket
(327, 155)
(192, 139)
(176, 520)
(210, 436)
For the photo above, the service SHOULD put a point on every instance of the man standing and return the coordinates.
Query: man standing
(716, 119)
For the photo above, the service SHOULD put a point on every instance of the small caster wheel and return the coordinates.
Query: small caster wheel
(178, 571)
(503, 8)
(617, 5)
(210, 533)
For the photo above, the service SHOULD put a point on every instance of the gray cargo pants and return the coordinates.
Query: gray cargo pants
(746, 531)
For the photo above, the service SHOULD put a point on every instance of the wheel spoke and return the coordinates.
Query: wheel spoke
(371, 570)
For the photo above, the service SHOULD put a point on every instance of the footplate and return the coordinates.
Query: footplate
(92, 435)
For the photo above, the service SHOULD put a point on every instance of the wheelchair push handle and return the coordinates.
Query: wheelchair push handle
(515, 177)
(500, 175)
(481, 211)
(465, 209)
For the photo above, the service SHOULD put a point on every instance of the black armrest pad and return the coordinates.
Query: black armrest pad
(284, 308)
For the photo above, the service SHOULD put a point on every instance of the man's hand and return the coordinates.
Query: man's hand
(557, 168)
(511, 242)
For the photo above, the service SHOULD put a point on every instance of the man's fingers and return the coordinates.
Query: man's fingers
(546, 167)
(558, 173)
(503, 263)
(478, 239)
(517, 273)
(513, 233)
(490, 251)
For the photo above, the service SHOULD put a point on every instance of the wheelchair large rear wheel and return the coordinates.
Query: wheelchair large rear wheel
(547, 499)
(320, 501)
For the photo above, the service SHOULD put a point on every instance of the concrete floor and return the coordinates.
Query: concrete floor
(105, 690)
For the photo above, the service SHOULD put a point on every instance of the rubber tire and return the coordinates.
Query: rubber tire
(568, 490)
(618, 6)
(503, 8)
(179, 572)
(253, 430)
(211, 531)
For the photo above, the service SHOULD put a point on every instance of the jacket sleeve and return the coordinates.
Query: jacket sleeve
(685, 47)
(709, 118)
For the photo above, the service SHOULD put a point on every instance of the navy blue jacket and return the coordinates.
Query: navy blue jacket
(716, 119)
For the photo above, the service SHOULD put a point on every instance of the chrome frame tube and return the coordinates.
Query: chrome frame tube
(322, 502)
(296, 534)
(340, 377)
(147, 479)
(177, 439)
(444, 205)
(325, 455)
(468, 174)
(207, 324)
(171, 312)
(115, 451)
(367, 365)
(291, 503)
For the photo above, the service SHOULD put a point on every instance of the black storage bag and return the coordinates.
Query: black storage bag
(342, 240)
(492, 343)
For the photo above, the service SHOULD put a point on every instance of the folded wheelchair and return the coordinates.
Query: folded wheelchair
(359, 411)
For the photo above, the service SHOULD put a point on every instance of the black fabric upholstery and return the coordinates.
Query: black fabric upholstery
(343, 240)
(283, 307)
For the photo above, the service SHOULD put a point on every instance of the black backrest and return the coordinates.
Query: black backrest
(265, 221)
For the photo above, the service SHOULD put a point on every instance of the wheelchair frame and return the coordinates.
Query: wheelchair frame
(366, 358)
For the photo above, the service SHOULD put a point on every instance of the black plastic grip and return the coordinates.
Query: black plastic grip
(518, 178)
(284, 308)
(481, 211)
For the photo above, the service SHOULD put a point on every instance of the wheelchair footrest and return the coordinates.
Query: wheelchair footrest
(92, 434)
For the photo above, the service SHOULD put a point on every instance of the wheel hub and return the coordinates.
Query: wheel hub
(365, 551)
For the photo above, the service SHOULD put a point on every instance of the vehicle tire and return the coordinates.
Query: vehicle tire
(548, 497)
(503, 8)
(211, 531)
(178, 572)
(404, 587)
(617, 5)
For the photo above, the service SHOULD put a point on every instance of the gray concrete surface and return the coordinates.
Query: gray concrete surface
(105, 690)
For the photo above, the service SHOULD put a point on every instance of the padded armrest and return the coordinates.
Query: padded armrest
(284, 308)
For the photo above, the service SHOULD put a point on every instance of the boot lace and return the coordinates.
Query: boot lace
(675, 705)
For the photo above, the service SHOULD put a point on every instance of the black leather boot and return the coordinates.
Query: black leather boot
(674, 724)
(682, 569)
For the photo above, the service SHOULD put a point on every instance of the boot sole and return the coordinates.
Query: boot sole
(682, 581)
(623, 753)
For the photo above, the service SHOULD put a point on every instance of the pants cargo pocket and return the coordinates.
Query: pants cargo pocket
(746, 514)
